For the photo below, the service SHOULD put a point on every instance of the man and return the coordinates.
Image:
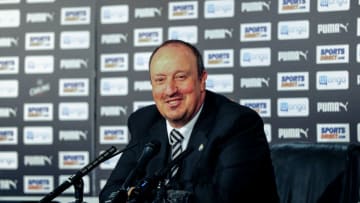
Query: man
(231, 159)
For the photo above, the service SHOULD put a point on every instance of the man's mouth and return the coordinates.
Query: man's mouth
(173, 102)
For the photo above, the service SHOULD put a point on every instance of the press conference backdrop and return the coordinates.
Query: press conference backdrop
(71, 72)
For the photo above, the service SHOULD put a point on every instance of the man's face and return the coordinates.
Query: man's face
(177, 89)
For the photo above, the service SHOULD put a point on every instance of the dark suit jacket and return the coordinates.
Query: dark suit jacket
(233, 166)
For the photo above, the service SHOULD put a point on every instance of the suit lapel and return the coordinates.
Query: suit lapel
(199, 139)
(158, 132)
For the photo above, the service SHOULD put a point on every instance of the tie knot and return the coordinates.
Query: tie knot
(175, 137)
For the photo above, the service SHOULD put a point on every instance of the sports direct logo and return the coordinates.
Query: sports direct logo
(183, 10)
(38, 112)
(38, 184)
(114, 135)
(40, 41)
(73, 159)
(73, 87)
(332, 80)
(290, 81)
(114, 62)
(9, 65)
(148, 36)
(333, 132)
(255, 32)
(294, 6)
(219, 58)
(75, 16)
(330, 54)
(8, 135)
(261, 106)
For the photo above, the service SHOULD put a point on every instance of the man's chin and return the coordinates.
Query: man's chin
(178, 119)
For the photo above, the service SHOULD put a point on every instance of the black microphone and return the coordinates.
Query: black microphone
(148, 184)
(150, 150)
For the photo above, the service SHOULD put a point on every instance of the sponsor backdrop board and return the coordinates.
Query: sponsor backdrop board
(47, 94)
(71, 72)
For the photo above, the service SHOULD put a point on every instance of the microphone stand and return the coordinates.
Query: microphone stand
(79, 191)
(76, 179)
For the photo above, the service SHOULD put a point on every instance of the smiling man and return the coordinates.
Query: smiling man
(178, 87)
(231, 159)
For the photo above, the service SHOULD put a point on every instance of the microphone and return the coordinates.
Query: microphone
(109, 153)
(147, 185)
(149, 151)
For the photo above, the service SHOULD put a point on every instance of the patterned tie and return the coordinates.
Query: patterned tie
(175, 141)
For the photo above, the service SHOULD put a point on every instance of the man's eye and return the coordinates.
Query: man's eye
(159, 80)
(181, 77)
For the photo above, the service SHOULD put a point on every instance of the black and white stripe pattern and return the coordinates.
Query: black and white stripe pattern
(175, 141)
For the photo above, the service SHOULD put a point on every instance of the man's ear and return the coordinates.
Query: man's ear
(203, 80)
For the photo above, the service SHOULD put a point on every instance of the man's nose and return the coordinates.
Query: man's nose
(171, 87)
